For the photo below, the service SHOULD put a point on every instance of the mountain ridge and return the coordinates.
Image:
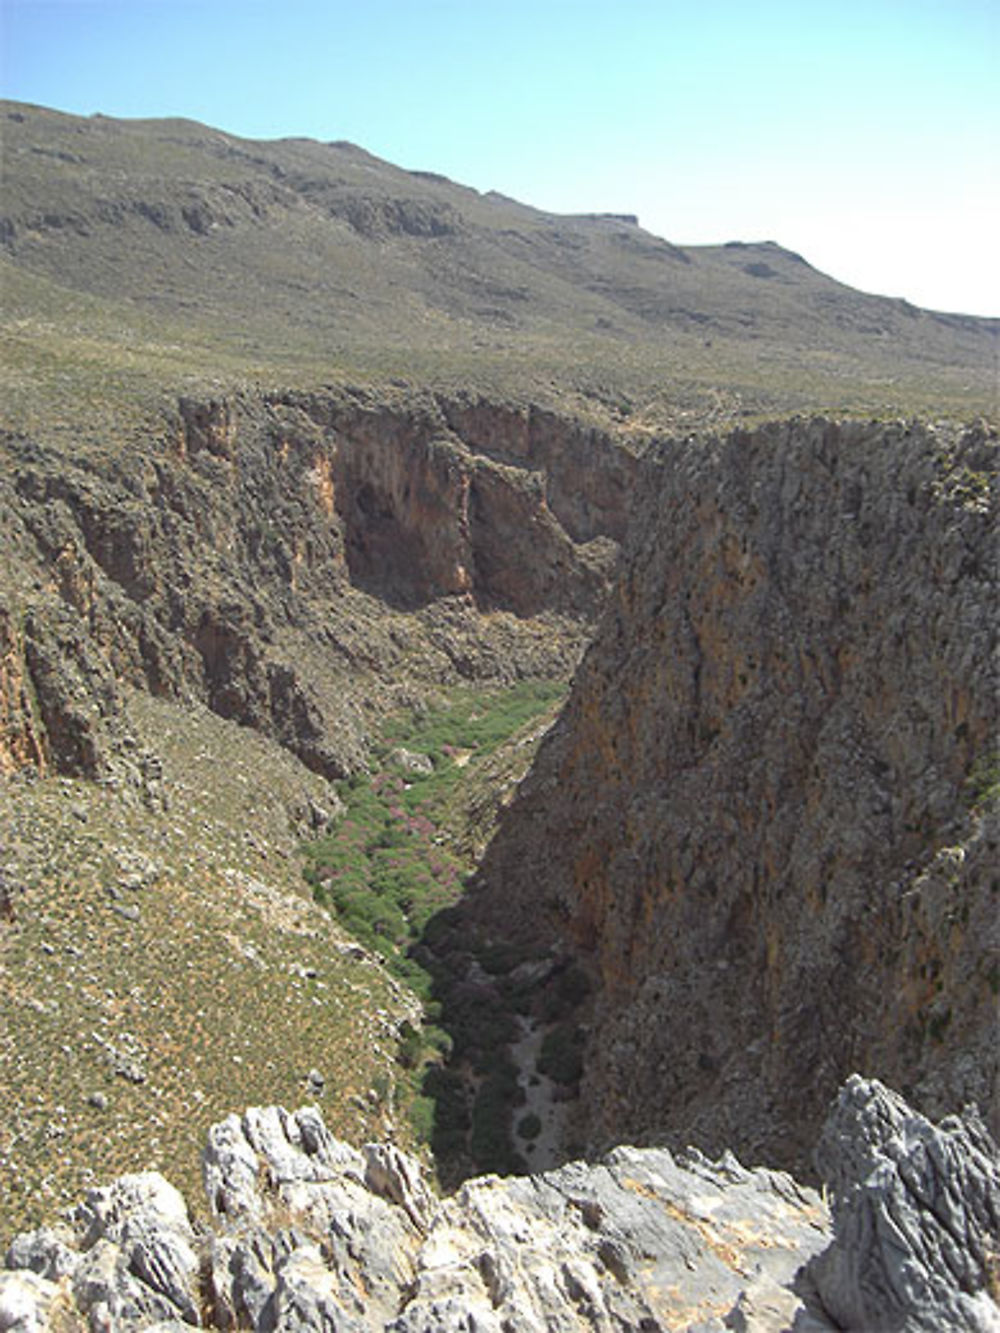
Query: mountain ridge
(294, 257)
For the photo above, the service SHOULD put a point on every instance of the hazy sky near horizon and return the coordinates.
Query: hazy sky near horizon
(865, 134)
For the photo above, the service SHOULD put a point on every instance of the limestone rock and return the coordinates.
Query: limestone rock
(25, 1302)
(395, 1176)
(410, 761)
(306, 1297)
(755, 823)
(643, 1240)
(916, 1211)
(312, 1235)
(251, 1159)
(49, 1252)
(139, 1250)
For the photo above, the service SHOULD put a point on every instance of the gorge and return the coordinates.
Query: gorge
(746, 872)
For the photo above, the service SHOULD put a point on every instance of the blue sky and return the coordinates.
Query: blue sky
(864, 135)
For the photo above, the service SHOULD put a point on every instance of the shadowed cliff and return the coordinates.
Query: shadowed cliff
(765, 822)
(297, 562)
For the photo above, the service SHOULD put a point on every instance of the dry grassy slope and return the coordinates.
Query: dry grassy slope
(166, 935)
(152, 250)
(214, 564)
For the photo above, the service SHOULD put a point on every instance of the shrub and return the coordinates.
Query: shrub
(422, 1113)
(529, 1126)
(411, 1046)
(561, 1056)
(498, 959)
(490, 1140)
(983, 783)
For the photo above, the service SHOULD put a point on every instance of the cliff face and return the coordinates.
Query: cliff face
(290, 560)
(21, 742)
(758, 820)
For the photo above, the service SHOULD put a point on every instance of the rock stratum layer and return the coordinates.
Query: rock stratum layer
(309, 1233)
(293, 560)
(764, 821)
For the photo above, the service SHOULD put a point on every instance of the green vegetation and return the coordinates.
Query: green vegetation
(561, 1055)
(982, 787)
(389, 871)
(490, 1140)
(529, 1126)
(387, 867)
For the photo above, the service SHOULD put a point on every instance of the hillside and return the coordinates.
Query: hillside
(140, 256)
(322, 481)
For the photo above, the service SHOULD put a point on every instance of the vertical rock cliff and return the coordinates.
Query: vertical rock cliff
(295, 561)
(763, 822)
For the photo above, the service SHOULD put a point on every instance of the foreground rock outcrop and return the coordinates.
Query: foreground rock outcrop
(916, 1216)
(308, 1233)
(766, 821)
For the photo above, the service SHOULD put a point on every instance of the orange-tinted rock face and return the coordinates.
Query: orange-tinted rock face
(738, 817)
(20, 736)
(275, 557)
(516, 508)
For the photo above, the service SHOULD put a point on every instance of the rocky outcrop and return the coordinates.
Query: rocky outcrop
(21, 742)
(281, 558)
(311, 1233)
(916, 1214)
(762, 822)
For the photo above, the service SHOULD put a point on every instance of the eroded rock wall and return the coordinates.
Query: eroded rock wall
(20, 731)
(759, 821)
(292, 560)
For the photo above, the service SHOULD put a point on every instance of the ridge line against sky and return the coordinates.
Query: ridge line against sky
(865, 136)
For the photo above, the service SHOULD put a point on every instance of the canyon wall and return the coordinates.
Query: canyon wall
(763, 822)
(297, 562)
